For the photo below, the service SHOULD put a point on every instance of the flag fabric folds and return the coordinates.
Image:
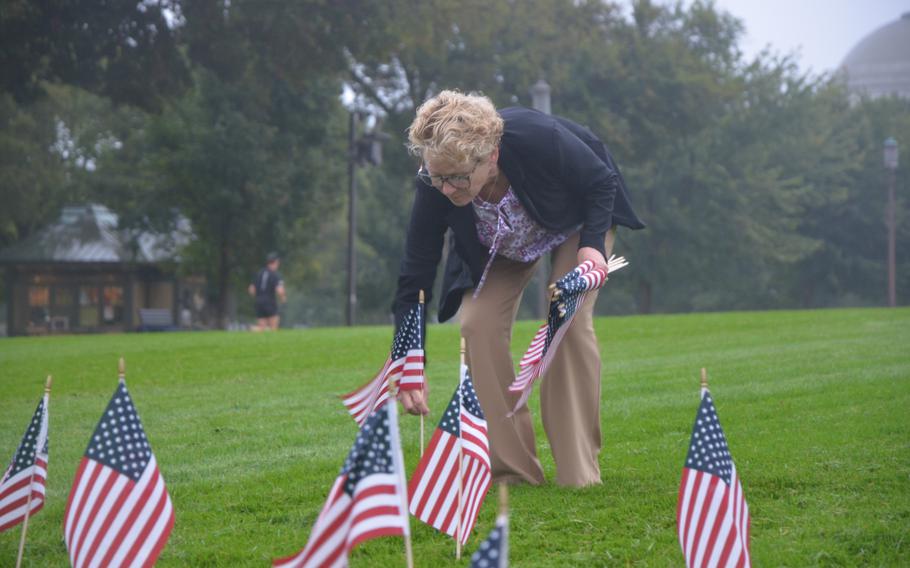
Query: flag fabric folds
(27, 472)
(404, 368)
(363, 401)
(368, 498)
(456, 463)
(571, 291)
(494, 551)
(712, 516)
(119, 512)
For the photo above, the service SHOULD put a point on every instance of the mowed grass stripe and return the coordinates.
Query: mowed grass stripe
(249, 434)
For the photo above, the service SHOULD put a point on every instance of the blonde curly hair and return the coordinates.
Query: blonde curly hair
(455, 127)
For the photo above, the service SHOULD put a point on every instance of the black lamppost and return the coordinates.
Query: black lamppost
(540, 100)
(363, 150)
(891, 160)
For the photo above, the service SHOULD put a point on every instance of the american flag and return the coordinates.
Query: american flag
(27, 472)
(571, 291)
(367, 501)
(119, 512)
(404, 367)
(494, 551)
(458, 458)
(712, 516)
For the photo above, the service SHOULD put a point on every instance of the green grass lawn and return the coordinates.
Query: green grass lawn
(249, 436)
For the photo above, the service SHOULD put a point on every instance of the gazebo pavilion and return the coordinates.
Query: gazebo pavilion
(83, 274)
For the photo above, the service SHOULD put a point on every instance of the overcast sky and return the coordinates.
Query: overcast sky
(822, 32)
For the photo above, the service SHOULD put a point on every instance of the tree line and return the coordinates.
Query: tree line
(762, 186)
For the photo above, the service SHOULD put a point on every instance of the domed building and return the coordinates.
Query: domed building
(879, 65)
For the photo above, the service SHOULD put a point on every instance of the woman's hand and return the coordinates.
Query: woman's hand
(592, 254)
(415, 400)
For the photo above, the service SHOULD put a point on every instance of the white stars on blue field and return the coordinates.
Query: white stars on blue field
(450, 420)
(26, 452)
(469, 397)
(490, 552)
(409, 334)
(372, 451)
(708, 451)
(119, 441)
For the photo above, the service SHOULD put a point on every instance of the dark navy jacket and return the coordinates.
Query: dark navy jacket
(561, 173)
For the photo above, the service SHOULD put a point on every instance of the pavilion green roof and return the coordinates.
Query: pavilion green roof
(90, 234)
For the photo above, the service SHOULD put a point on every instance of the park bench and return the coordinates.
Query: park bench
(156, 319)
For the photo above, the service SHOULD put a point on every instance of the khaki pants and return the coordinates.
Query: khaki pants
(570, 391)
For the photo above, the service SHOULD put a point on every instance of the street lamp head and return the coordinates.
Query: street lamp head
(540, 96)
(891, 153)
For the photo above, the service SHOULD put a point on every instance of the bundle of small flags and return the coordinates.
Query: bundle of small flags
(569, 294)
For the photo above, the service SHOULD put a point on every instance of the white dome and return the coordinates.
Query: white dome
(879, 65)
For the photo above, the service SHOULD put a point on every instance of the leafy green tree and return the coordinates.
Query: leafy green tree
(55, 56)
(245, 185)
(123, 50)
(31, 174)
(849, 268)
(51, 149)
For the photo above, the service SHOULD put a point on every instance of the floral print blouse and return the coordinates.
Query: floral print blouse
(508, 230)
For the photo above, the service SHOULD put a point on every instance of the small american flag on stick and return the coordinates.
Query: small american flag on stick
(119, 512)
(712, 516)
(453, 476)
(404, 368)
(22, 486)
(493, 552)
(569, 293)
(368, 499)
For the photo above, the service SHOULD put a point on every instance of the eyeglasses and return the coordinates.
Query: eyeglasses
(458, 181)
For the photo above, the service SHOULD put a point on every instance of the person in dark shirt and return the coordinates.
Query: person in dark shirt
(268, 289)
(511, 186)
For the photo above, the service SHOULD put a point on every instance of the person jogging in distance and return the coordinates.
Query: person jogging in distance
(268, 289)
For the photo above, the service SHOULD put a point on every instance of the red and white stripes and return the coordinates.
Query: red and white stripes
(15, 491)
(112, 520)
(345, 521)
(454, 474)
(22, 486)
(433, 491)
(407, 372)
(363, 401)
(713, 521)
